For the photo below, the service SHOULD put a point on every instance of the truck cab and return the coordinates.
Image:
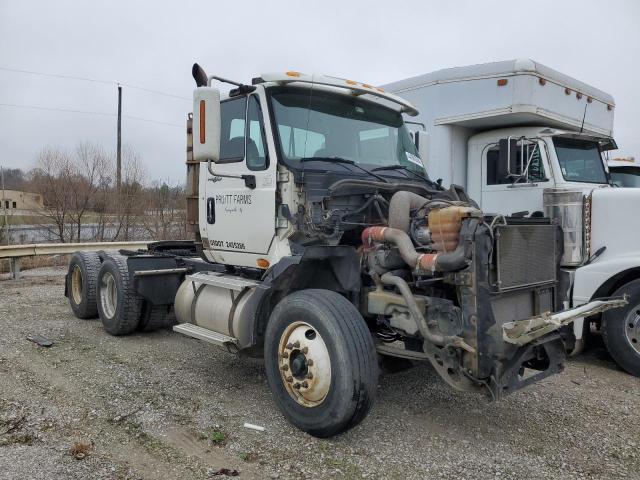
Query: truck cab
(624, 172)
(511, 168)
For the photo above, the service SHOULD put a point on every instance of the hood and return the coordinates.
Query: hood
(615, 222)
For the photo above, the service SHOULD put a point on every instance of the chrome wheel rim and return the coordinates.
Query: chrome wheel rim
(108, 294)
(76, 285)
(304, 364)
(632, 328)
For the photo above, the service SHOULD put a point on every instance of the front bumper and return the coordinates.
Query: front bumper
(522, 332)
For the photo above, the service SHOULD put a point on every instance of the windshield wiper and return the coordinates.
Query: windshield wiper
(400, 167)
(344, 161)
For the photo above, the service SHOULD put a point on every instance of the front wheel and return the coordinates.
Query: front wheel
(321, 362)
(621, 329)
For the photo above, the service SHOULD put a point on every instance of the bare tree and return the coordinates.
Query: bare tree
(129, 205)
(89, 168)
(68, 183)
(52, 178)
(165, 209)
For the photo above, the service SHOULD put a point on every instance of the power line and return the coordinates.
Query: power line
(87, 112)
(93, 80)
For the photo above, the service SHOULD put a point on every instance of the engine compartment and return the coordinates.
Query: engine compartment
(433, 270)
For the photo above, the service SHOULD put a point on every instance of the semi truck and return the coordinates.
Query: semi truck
(529, 141)
(321, 245)
(624, 172)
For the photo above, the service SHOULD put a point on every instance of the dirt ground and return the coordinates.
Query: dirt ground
(164, 406)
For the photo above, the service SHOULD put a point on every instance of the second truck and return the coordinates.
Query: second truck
(526, 140)
(322, 246)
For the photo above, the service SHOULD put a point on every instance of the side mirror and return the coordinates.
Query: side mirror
(507, 157)
(421, 140)
(206, 124)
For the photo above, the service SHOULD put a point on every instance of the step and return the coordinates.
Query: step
(223, 280)
(191, 330)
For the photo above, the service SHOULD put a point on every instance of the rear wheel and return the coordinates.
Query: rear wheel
(621, 329)
(119, 306)
(82, 278)
(321, 362)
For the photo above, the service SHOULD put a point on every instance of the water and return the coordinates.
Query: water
(24, 234)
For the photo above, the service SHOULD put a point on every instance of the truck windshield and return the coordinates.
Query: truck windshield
(326, 125)
(580, 160)
(625, 176)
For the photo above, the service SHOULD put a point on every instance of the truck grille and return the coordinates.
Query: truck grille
(525, 256)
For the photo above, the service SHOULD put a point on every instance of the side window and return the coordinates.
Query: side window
(232, 113)
(256, 150)
(497, 173)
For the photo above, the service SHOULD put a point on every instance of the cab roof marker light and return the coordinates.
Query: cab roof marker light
(293, 74)
(502, 82)
(350, 82)
(578, 95)
(567, 91)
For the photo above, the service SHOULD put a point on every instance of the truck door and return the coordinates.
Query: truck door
(239, 213)
(515, 184)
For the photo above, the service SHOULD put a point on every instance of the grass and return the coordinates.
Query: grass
(249, 457)
(218, 437)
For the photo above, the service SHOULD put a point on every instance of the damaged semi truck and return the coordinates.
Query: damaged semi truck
(321, 245)
(524, 139)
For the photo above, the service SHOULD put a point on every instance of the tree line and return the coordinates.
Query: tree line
(82, 201)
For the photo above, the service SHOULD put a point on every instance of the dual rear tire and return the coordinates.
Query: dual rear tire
(104, 288)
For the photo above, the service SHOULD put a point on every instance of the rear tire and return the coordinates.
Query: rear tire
(119, 306)
(321, 362)
(82, 278)
(621, 329)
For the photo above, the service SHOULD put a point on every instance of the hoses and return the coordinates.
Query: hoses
(442, 262)
(400, 208)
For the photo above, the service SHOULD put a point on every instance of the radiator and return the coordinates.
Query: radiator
(525, 256)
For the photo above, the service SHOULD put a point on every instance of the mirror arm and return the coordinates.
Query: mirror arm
(249, 180)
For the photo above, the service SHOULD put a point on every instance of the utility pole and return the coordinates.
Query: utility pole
(119, 147)
(4, 206)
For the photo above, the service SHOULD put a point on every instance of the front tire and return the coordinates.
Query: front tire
(119, 306)
(321, 362)
(621, 329)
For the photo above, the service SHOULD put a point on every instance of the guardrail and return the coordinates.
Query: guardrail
(16, 252)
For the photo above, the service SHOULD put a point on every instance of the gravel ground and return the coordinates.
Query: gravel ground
(164, 406)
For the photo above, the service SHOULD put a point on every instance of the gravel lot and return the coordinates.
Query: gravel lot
(163, 406)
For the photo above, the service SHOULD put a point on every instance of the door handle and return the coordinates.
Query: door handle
(211, 210)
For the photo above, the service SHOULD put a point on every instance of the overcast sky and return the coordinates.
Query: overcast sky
(153, 44)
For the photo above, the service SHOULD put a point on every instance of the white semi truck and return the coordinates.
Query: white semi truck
(321, 246)
(527, 140)
(624, 172)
